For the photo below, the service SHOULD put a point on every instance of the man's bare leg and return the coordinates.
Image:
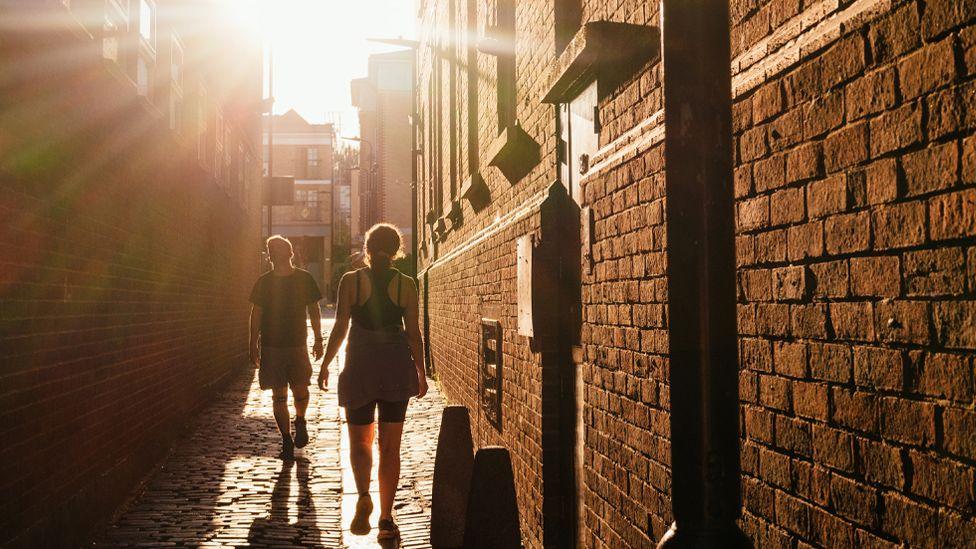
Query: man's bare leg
(280, 396)
(300, 394)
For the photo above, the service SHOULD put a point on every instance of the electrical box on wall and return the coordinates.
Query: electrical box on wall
(490, 371)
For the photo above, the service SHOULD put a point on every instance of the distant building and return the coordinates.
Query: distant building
(306, 152)
(384, 102)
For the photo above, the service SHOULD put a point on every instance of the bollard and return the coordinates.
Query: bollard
(492, 520)
(452, 478)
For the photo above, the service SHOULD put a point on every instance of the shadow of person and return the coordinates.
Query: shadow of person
(277, 529)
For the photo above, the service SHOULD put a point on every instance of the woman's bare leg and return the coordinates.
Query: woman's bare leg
(389, 473)
(361, 454)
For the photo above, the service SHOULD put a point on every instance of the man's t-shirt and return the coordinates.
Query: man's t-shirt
(283, 300)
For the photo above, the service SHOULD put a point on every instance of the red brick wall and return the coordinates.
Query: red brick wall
(856, 194)
(472, 273)
(124, 275)
(856, 209)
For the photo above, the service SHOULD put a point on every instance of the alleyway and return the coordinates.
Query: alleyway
(222, 486)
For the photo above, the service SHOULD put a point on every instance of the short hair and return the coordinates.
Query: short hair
(275, 241)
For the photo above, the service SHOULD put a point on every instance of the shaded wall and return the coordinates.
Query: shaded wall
(126, 263)
(856, 209)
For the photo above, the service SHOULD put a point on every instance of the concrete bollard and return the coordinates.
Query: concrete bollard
(492, 520)
(452, 478)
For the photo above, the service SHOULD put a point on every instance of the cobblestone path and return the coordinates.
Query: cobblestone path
(222, 485)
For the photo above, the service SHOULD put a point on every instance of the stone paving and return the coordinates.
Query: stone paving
(222, 486)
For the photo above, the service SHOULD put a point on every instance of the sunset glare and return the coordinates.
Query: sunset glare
(320, 45)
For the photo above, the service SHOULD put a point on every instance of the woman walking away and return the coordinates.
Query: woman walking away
(384, 368)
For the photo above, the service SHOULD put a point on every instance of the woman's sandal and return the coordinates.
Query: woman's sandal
(388, 530)
(360, 521)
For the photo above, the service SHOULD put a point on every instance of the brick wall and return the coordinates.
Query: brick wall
(856, 209)
(124, 274)
(854, 181)
(470, 273)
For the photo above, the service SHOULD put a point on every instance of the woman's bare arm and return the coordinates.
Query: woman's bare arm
(411, 316)
(339, 330)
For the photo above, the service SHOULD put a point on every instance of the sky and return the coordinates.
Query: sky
(320, 45)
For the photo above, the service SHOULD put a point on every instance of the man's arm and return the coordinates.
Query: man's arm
(414, 338)
(316, 317)
(255, 328)
(339, 330)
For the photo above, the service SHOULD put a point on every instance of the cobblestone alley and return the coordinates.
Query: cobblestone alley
(222, 485)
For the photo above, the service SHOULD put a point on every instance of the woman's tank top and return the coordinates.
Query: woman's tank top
(379, 312)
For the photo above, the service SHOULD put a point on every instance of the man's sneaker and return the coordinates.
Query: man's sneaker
(388, 530)
(301, 433)
(287, 451)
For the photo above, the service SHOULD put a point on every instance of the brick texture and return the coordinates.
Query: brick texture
(128, 252)
(854, 181)
(886, 394)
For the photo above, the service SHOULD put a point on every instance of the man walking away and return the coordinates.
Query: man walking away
(281, 299)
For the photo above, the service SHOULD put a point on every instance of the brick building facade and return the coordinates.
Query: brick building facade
(855, 245)
(129, 179)
(384, 99)
(306, 152)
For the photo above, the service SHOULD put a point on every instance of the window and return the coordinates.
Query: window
(146, 61)
(175, 111)
(114, 28)
(578, 138)
(203, 127)
(308, 198)
(219, 146)
(241, 165)
(143, 77)
(244, 177)
(176, 62)
(176, 86)
(506, 91)
(307, 204)
(312, 163)
(147, 21)
(569, 14)
(228, 157)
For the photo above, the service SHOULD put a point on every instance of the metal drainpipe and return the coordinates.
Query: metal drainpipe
(705, 499)
(270, 127)
(413, 163)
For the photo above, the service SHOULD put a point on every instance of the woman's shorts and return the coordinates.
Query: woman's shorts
(284, 366)
(390, 412)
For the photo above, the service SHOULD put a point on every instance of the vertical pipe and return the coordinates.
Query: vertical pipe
(413, 162)
(705, 497)
(270, 128)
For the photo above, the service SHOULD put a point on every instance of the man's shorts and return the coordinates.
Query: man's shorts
(283, 366)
